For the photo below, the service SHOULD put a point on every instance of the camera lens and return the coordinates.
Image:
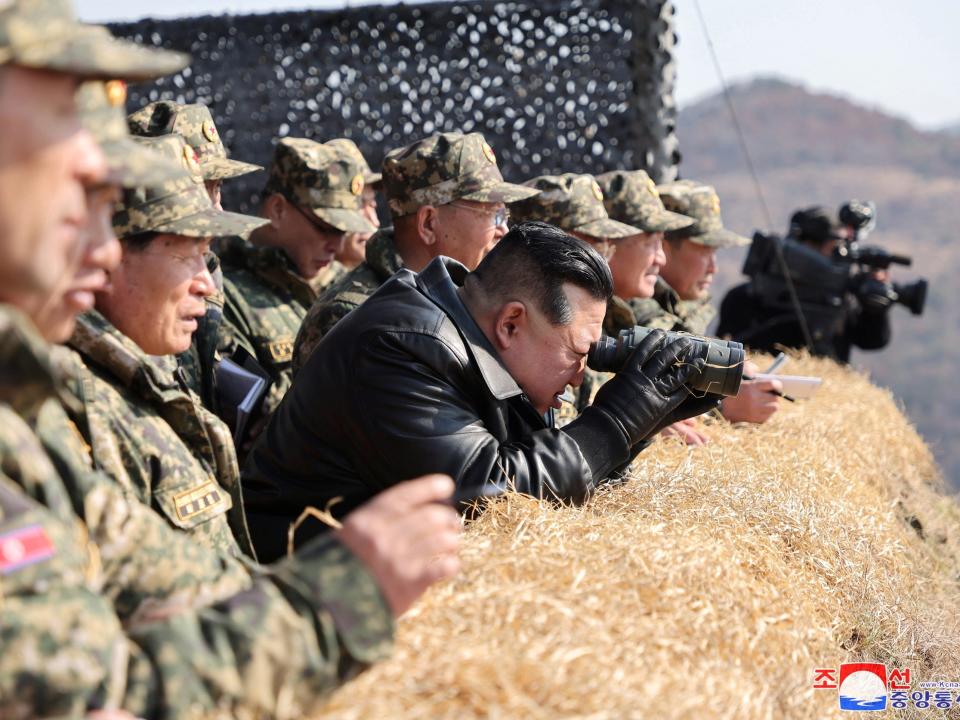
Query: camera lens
(723, 359)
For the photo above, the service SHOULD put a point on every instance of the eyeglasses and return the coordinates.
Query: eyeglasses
(500, 216)
(318, 224)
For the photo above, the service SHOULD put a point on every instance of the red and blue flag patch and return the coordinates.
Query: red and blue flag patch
(24, 546)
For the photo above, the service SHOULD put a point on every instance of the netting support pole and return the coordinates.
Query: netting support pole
(654, 80)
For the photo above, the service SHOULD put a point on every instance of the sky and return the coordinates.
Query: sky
(896, 55)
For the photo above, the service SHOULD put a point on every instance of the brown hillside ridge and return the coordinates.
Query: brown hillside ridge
(787, 125)
(711, 585)
(918, 215)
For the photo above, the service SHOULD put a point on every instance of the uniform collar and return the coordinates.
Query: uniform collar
(381, 253)
(439, 281)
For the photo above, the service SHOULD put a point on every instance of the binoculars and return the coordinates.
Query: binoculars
(722, 372)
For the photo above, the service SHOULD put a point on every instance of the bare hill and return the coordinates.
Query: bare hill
(814, 148)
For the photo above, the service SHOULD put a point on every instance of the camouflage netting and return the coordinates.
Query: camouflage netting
(555, 86)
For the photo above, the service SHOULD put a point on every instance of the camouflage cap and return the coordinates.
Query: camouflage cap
(45, 35)
(631, 197)
(100, 106)
(348, 147)
(442, 168)
(320, 178)
(195, 124)
(180, 206)
(573, 203)
(700, 202)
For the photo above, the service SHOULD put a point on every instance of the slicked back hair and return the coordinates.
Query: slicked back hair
(534, 261)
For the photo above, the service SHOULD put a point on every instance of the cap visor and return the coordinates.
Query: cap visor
(131, 165)
(502, 192)
(92, 52)
(373, 180)
(665, 221)
(344, 220)
(607, 228)
(213, 223)
(720, 239)
(224, 168)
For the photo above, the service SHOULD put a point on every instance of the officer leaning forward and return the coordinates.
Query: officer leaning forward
(312, 199)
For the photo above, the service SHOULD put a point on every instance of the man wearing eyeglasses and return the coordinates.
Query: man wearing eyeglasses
(312, 199)
(446, 197)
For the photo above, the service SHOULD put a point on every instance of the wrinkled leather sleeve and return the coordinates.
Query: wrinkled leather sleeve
(421, 397)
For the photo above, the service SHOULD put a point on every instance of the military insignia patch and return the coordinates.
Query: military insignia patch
(281, 350)
(190, 160)
(356, 185)
(23, 547)
(116, 93)
(209, 498)
(489, 154)
(715, 204)
(597, 192)
(209, 131)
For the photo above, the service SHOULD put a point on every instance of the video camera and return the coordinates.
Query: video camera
(823, 283)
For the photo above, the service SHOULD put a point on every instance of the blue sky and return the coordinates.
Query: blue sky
(891, 54)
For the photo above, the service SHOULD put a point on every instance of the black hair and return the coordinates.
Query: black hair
(138, 242)
(534, 260)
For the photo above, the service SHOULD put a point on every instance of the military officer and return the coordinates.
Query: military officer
(446, 197)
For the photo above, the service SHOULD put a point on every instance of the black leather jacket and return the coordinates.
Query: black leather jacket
(405, 385)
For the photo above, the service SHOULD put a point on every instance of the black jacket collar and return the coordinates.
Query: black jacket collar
(439, 281)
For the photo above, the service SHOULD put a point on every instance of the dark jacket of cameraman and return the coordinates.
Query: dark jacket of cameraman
(408, 384)
(745, 318)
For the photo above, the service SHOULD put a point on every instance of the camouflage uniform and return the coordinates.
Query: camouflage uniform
(205, 631)
(150, 434)
(195, 124)
(348, 292)
(436, 170)
(266, 298)
(665, 309)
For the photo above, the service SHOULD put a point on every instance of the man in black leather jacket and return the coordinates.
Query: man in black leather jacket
(457, 372)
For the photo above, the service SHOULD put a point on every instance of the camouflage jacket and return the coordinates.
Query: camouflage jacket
(203, 632)
(666, 311)
(266, 301)
(150, 433)
(348, 292)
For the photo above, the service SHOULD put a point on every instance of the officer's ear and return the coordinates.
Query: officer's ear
(509, 324)
(275, 209)
(428, 225)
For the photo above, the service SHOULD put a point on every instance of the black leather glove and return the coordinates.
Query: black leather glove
(694, 405)
(647, 394)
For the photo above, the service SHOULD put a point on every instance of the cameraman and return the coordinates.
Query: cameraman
(863, 319)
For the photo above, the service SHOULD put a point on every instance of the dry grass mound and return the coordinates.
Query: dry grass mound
(710, 585)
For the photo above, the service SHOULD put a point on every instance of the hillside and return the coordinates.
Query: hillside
(709, 586)
(812, 148)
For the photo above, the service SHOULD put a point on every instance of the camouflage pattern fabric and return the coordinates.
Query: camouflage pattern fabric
(203, 631)
(327, 277)
(266, 302)
(101, 111)
(51, 601)
(573, 203)
(320, 178)
(153, 437)
(45, 34)
(700, 202)
(666, 311)
(442, 168)
(382, 261)
(348, 147)
(193, 123)
(180, 206)
(630, 196)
